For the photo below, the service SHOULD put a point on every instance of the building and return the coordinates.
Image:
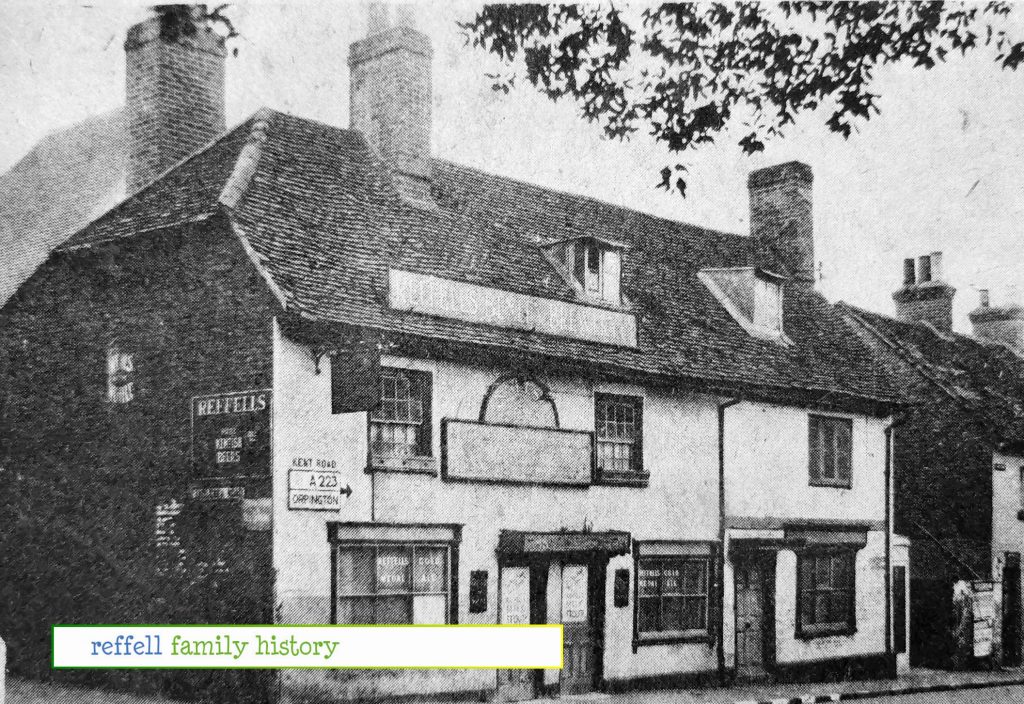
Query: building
(959, 463)
(414, 392)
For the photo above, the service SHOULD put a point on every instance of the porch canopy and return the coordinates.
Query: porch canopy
(527, 543)
(800, 536)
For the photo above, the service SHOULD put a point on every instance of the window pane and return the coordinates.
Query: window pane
(647, 615)
(393, 609)
(843, 451)
(672, 614)
(829, 462)
(355, 571)
(358, 611)
(649, 578)
(429, 573)
(429, 608)
(393, 570)
(695, 614)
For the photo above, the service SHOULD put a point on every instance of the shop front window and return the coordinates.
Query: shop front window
(672, 596)
(392, 584)
(825, 593)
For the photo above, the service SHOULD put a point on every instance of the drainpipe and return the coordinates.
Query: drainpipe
(890, 658)
(721, 534)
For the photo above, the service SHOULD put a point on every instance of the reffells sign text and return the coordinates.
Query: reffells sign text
(231, 434)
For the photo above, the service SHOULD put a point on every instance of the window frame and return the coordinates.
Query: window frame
(636, 474)
(848, 627)
(814, 479)
(691, 635)
(449, 579)
(421, 382)
(121, 379)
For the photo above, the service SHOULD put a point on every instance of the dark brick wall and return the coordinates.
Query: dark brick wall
(782, 220)
(175, 97)
(390, 100)
(931, 302)
(943, 482)
(82, 476)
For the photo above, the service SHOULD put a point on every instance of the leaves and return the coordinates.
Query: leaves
(684, 72)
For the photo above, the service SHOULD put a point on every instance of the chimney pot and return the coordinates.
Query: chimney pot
(928, 298)
(782, 220)
(377, 18)
(924, 269)
(983, 297)
(909, 277)
(937, 266)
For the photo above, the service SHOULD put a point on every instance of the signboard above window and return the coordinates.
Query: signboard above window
(432, 295)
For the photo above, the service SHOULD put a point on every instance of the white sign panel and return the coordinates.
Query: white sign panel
(984, 618)
(515, 595)
(432, 295)
(318, 488)
(475, 451)
(574, 593)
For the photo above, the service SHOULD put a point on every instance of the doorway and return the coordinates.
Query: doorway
(1011, 610)
(577, 586)
(754, 579)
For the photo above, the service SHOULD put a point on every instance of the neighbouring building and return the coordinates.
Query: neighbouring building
(519, 406)
(959, 465)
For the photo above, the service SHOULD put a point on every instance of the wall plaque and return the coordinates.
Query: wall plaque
(231, 434)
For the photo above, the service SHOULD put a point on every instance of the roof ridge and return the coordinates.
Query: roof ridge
(591, 199)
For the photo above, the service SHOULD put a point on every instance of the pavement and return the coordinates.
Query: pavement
(917, 681)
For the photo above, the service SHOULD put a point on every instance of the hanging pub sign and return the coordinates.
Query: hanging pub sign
(231, 435)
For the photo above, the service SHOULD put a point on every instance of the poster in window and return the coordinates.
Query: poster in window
(515, 595)
(231, 434)
(392, 569)
(574, 593)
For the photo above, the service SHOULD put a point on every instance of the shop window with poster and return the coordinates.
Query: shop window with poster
(392, 583)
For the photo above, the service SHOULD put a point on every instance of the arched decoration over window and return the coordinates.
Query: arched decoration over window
(517, 399)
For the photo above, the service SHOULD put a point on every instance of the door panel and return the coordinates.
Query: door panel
(750, 617)
(1011, 610)
(515, 685)
(578, 667)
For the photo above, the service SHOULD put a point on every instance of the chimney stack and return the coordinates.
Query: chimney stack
(925, 296)
(1000, 324)
(174, 90)
(390, 96)
(782, 220)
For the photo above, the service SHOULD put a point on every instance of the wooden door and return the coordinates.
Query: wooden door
(750, 619)
(577, 674)
(514, 605)
(1011, 610)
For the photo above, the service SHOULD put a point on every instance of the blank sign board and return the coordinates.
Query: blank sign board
(475, 451)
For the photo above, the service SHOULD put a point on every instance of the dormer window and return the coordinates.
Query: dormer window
(592, 265)
(753, 297)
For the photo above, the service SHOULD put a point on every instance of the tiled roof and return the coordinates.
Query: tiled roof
(986, 379)
(67, 179)
(325, 221)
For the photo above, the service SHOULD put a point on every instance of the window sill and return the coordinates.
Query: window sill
(830, 632)
(405, 465)
(825, 484)
(629, 479)
(669, 637)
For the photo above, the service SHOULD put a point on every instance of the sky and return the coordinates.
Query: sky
(938, 170)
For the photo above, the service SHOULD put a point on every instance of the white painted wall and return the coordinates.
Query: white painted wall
(1007, 502)
(767, 460)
